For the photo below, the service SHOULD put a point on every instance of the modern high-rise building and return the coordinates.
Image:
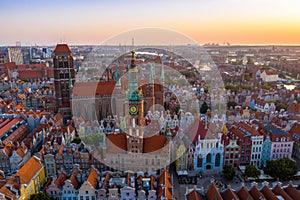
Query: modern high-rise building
(15, 55)
(64, 78)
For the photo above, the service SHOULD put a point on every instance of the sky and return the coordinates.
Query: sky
(94, 21)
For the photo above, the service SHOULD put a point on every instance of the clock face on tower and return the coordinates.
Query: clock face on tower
(133, 110)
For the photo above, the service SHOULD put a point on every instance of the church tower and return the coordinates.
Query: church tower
(64, 78)
(135, 108)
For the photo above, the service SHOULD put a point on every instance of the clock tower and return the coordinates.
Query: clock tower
(135, 102)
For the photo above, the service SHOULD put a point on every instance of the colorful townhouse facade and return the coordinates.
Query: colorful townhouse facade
(27, 181)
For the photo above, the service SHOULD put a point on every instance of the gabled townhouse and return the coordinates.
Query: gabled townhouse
(244, 141)
(27, 181)
(257, 142)
(282, 143)
(88, 189)
(209, 149)
(20, 155)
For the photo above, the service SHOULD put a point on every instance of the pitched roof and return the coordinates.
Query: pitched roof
(280, 192)
(73, 178)
(194, 195)
(256, 194)
(229, 194)
(91, 89)
(268, 193)
(271, 72)
(62, 48)
(154, 143)
(197, 129)
(165, 186)
(244, 194)
(116, 142)
(248, 128)
(292, 192)
(92, 179)
(30, 74)
(30, 169)
(213, 193)
(60, 181)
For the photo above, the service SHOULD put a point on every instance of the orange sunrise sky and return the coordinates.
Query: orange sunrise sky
(206, 21)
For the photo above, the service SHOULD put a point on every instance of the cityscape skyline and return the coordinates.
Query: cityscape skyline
(92, 22)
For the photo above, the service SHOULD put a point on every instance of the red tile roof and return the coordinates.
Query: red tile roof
(247, 127)
(244, 194)
(154, 143)
(295, 131)
(62, 48)
(30, 74)
(10, 65)
(268, 193)
(229, 194)
(116, 142)
(256, 194)
(91, 89)
(213, 193)
(60, 181)
(92, 179)
(197, 129)
(73, 178)
(280, 192)
(194, 195)
(165, 186)
(30, 169)
(292, 192)
(8, 126)
(271, 72)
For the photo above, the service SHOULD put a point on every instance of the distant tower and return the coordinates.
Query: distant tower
(15, 55)
(64, 78)
(135, 109)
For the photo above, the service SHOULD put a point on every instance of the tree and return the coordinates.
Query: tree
(76, 140)
(228, 172)
(204, 108)
(252, 171)
(40, 196)
(283, 168)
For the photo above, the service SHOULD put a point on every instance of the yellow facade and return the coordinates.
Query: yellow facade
(181, 158)
(34, 186)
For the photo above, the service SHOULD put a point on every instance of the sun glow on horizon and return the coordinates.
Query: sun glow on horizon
(92, 22)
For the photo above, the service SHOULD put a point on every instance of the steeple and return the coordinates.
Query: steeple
(151, 75)
(117, 74)
(132, 64)
(133, 93)
(169, 134)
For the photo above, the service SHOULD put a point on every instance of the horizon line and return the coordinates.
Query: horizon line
(211, 44)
